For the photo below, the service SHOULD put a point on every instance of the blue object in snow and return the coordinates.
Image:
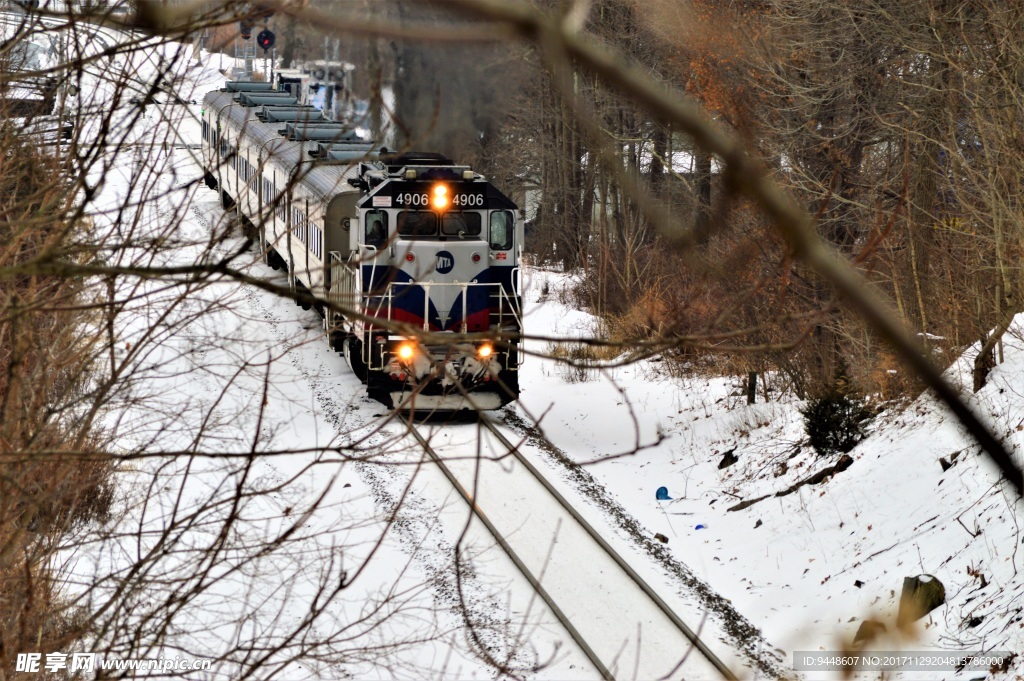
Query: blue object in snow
(662, 494)
(700, 527)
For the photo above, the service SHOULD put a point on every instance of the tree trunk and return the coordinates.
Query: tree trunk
(659, 158)
(985, 362)
(702, 173)
(288, 38)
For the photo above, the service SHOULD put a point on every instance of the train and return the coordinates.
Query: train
(412, 261)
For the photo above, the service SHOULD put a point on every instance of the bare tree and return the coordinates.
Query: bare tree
(141, 463)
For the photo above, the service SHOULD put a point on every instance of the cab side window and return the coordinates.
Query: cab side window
(501, 229)
(376, 228)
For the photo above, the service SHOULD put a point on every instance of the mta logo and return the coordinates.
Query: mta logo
(445, 262)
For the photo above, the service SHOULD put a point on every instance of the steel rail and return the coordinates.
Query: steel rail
(520, 565)
(691, 635)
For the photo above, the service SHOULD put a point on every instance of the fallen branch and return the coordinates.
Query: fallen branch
(845, 461)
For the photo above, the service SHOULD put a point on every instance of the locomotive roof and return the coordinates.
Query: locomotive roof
(323, 179)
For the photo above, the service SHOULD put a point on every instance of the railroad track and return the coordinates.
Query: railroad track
(615, 617)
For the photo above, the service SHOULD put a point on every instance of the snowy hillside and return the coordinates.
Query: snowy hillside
(810, 566)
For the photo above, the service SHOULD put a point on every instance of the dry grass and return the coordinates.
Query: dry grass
(47, 359)
(579, 362)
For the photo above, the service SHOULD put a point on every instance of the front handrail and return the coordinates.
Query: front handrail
(504, 306)
(343, 288)
(508, 310)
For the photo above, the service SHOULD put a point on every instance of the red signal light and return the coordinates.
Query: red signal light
(265, 39)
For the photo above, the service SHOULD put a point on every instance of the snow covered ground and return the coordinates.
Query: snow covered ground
(808, 567)
(223, 369)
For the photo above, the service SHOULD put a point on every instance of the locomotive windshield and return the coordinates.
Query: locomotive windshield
(415, 223)
(502, 227)
(460, 224)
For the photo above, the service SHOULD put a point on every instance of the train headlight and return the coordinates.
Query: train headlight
(439, 198)
(485, 351)
(406, 351)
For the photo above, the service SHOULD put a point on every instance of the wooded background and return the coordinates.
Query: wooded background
(896, 125)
